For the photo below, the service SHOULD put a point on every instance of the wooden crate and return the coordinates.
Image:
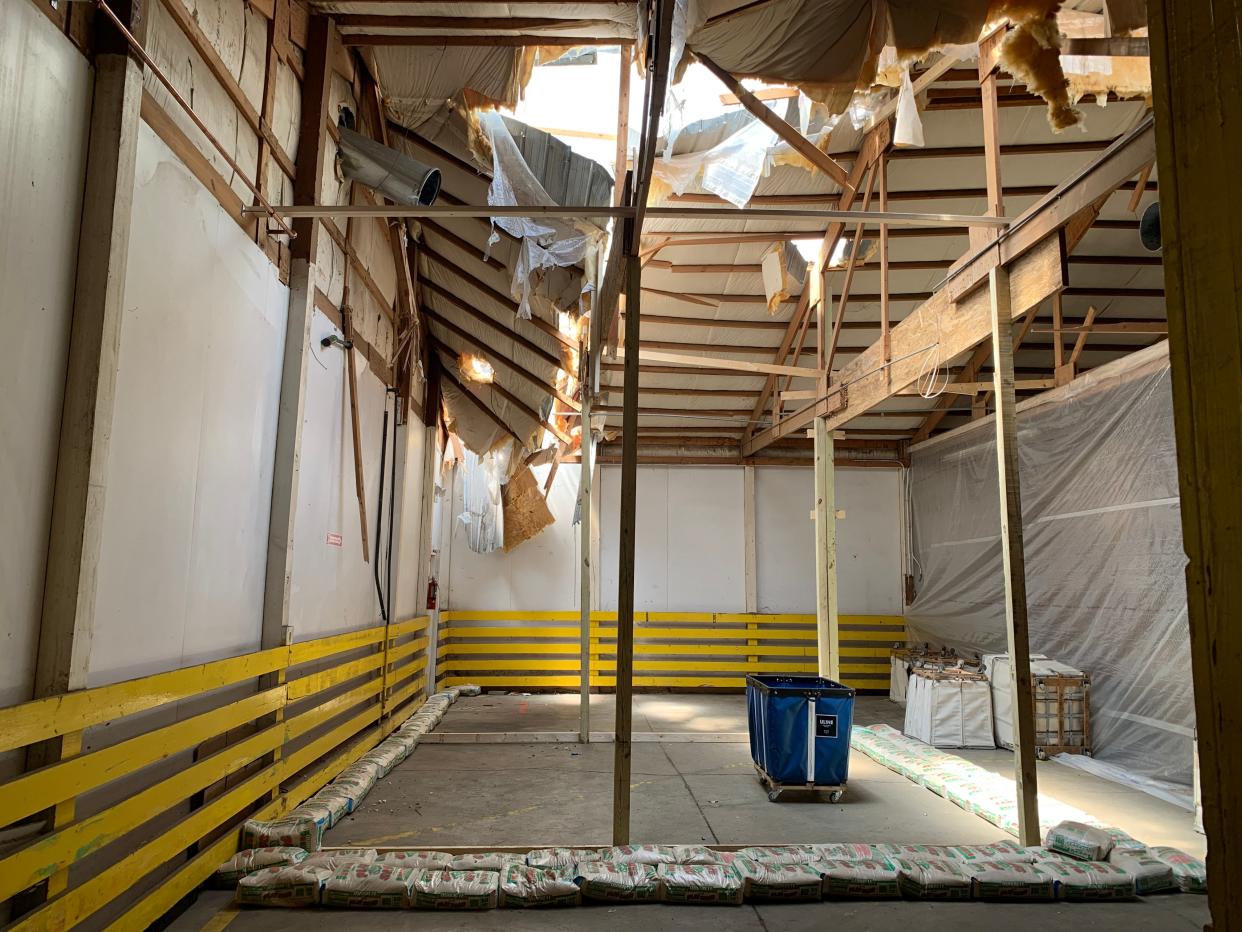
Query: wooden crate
(1062, 714)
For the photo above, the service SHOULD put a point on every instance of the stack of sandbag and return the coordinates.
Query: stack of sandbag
(249, 860)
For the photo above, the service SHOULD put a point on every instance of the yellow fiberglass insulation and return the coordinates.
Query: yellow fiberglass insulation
(1031, 53)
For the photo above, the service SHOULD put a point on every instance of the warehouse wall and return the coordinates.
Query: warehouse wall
(181, 575)
(690, 553)
(45, 89)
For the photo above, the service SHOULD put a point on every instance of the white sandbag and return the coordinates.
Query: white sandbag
(779, 882)
(560, 857)
(338, 804)
(522, 886)
(847, 852)
(1088, 880)
(294, 885)
(249, 860)
(1008, 851)
(293, 831)
(932, 879)
(784, 854)
(1149, 874)
(335, 858)
(1189, 872)
(614, 881)
(470, 689)
(700, 884)
(421, 860)
(485, 861)
(369, 886)
(358, 774)
(697, 854)
(869, 878)
(1007, 880)
(641, 854)
(1080, 841)
(1124, 843)
(915, 852)
(387, 755)
(469, 889)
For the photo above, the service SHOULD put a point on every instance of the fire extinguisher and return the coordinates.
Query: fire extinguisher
(432, 588)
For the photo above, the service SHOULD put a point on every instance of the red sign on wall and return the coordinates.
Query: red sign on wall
(334, 540)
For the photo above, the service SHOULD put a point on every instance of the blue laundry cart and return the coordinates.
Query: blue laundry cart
(800, 732)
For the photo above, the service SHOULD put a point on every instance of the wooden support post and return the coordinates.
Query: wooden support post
(75, 539)
(625, 570)
(826, 553)
(1196, 60)
(623, 125)
(748, 531)
(584, 566)
(312, 157)
(1014, 559)
(1058, 338)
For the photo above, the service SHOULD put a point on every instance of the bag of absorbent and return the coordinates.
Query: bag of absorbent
(485, 861)
(1149, 874)
(779, 882)
(641, 854)
(369, 886)
(1083, 842)
(336, 803)
(420, 860)
(1190, 873)
(912, 851)
(335, 858)
(292, 885)
(998, 851)
(701, 884)
(360, 775)
(1088, 880)
(249, 860)
(446, 889)
(617, 882)
(1008, 880)
(292, 831)
(387, 755)
(522, 886)
(1124, 843)
(698, 854)
(868, 878)
(847, 852)
(470, 689)
(784, 854)
(932, 879)
(560, 857)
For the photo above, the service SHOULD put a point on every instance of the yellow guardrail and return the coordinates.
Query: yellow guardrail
(672, 650)
(253, 756)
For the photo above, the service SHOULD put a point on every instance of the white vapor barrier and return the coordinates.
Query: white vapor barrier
(1104, 560)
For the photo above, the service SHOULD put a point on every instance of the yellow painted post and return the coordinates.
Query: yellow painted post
(63, 813)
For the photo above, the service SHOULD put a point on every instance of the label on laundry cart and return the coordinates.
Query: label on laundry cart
(825, 726)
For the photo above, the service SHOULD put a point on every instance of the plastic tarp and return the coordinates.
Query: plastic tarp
(1104, 559)
(482, 513)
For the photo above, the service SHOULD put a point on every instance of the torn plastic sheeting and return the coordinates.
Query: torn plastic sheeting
(544, 243)
(482, 514)
(1104, 559)
(731, 169)
(1170, 792)
(908, 131)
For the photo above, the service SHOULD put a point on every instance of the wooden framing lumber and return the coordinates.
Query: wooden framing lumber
(1195, 68)
(799, 143)
(1022, 697)
(623, 125)
(826, 618)
(954, 318)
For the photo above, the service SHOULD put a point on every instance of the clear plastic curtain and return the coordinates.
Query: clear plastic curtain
(1104, 559)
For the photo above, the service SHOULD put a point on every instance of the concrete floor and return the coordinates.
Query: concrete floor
(682, 792)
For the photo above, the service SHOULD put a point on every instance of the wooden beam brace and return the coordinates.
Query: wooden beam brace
(799, 143)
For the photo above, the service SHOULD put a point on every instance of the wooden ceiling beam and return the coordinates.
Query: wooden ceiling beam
(519, 41)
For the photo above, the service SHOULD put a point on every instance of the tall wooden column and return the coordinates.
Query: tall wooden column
(827, 635)
(1196, 59)
(1014, 559)
(312, 157)
(68, 618)
(584, 567)
(626, 537)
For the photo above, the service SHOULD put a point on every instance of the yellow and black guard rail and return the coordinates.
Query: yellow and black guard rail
(672, 650)
(153, 776)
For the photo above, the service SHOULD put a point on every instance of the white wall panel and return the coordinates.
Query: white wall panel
(45, 86)
(189, 481)
(333, 589)
(868, 540)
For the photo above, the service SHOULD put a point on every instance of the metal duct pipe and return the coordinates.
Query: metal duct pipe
(397, 176)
